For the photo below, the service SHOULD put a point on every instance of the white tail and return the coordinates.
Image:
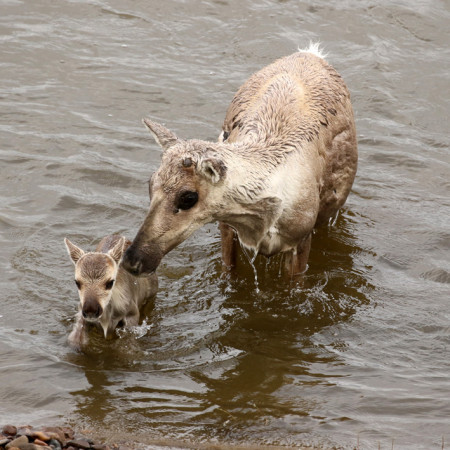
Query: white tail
(314, 48)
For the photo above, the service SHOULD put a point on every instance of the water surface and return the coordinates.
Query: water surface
(359, 352)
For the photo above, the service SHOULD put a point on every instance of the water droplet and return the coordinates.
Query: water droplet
(251, 253)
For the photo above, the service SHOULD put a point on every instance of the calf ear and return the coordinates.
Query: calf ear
(213, 169)
(164, 137)
(75, 252)
(117, 251)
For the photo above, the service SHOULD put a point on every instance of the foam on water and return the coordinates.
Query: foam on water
(138, 331)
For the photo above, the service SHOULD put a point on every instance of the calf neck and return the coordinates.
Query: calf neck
(284, 164)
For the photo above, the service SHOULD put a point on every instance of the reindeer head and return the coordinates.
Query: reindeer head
(185, 192)
(95, 275)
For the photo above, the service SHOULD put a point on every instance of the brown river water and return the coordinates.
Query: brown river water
(358, 354)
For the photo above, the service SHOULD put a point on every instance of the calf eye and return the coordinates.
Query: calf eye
(78, 284)
(109, 284)
(187, 200)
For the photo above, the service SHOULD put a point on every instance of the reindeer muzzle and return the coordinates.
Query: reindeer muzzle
(91, 310)
(142, 260)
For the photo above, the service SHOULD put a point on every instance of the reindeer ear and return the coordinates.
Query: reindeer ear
(164, 137)
(213, 169)
(117, 251)
(75, 252)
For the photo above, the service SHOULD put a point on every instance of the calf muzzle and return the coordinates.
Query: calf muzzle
(91, 309)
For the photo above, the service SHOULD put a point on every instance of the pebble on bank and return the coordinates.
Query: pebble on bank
(47, 438)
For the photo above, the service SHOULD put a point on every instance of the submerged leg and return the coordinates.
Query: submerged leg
(229, 246)
(78, 337)
(132, 318)
(297, 261)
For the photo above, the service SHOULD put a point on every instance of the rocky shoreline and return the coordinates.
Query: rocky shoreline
(28, 437)
(48, 438)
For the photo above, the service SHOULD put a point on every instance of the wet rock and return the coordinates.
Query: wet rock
(56, 445)
(55, 433)
(79, 443)
(24, 431)
(9, 430)
(40, 435)
(18, 442)
(34, 447)
(49, 438)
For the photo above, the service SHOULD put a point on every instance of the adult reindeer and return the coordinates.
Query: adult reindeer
(284, 164)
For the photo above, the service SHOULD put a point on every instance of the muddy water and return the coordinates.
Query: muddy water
(358, 353)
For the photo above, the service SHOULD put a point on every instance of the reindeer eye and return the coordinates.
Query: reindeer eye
(187, 200)
(78, 284)
(187, 162)
(109, 284)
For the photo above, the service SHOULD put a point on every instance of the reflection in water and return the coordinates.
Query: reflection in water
(100, 403)
(272, 329)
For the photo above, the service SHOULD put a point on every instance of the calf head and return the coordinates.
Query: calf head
(185, 192)
(95, 275)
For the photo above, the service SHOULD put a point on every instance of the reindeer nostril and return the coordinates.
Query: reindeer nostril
(142, 261)
(91, 310)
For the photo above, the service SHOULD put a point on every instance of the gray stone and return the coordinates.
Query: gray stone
(24, 431)
(54, 443)
(22, 440)
(34, 447)
(79, 443)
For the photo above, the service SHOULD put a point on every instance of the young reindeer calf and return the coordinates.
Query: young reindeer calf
(110, 297)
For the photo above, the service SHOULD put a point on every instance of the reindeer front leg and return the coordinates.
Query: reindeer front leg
(296, 262)
(132, 318)
(78, 337)
(229, 243)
